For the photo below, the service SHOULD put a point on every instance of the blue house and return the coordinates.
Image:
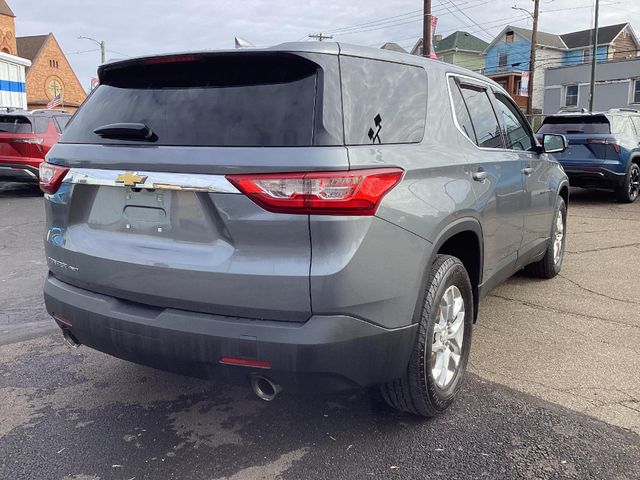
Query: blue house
(507, 57)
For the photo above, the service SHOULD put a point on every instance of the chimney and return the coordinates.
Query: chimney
(438, 38)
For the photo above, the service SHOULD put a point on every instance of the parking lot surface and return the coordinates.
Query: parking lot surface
(554, 389)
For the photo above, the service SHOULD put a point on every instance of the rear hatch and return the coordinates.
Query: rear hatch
(151, 218)
(18, 143)
(589, 136)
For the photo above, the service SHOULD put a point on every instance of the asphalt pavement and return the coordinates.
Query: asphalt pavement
(554, 389)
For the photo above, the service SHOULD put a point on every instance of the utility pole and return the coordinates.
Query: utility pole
(101, 44)
(320, 36)
(532, 57)
(594, 58)
(426, 29)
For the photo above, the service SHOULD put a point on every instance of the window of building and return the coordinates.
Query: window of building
(586, 55)
(53, 63)
(484, 119)
(636, 90)
(509, 37)
(516, 130)
(503, 60)
(571, 96)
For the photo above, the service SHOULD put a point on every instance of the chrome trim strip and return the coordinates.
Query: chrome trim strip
(153, 180)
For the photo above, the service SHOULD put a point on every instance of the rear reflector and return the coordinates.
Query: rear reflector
(245, 363)
(354, 192)
(62, 319)
(51, 177)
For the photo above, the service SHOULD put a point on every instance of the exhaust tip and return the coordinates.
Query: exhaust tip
(264, 388)
(70, 339)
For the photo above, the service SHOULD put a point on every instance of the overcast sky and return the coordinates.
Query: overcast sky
(138, 27)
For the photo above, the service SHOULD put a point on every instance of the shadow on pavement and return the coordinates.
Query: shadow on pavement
(87, 415)
(16, 190)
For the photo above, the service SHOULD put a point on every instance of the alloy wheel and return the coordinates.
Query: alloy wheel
(558, 238)
(634, 182)
(448, 335)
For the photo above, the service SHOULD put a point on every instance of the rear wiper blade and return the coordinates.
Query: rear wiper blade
(126, 130)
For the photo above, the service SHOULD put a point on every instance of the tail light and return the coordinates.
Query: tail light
(355, 192)
(604, 141)
(51, 177)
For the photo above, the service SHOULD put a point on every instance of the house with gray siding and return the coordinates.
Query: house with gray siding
(617, 86)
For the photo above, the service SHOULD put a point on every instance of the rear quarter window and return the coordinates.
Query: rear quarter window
(384, 102)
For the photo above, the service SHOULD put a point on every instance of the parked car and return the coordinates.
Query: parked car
(25, 139)
(604, 149)
(305, 217)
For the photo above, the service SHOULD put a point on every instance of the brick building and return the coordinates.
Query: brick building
(50, 73)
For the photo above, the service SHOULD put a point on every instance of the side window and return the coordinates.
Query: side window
(461, 112)
(636, 123)
(621, 125)
(61, 122)
(483, 117)
(383, 102)
(517, 132)
(41, 124)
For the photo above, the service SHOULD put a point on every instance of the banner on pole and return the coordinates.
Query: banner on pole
(524, 85)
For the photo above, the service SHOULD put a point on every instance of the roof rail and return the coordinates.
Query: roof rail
(627, 109)
(573, 110)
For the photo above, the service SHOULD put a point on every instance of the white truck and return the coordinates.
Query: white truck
(13, 87)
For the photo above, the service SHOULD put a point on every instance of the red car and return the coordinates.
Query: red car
(25, 139)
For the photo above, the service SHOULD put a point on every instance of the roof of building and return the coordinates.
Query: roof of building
(6, 9)
(583, 38)
(394, 47)
(28, 47)
(543, 38)
(461, 41)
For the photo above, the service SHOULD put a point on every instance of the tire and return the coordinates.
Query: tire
(630, 189)
(422, 390)
(550, 265)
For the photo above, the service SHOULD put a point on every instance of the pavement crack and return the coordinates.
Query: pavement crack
(594, 292)
(562, 311)
(601, 249)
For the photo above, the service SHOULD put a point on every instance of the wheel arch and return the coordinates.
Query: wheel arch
(463, 239)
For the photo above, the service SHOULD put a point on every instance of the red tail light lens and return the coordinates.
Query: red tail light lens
(355, 192)
(604, 141)
(51, 177)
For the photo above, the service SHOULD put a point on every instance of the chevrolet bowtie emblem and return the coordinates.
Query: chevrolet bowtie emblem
(130, 179)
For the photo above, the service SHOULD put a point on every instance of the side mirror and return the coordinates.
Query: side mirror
(554, 143)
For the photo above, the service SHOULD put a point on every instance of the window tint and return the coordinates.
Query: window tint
(571, 96)
(567, 125)
(41, 124)
(483, 117)
(517, 132)
(383, 102)
(245, 99)
(10, 124)
(461, 112)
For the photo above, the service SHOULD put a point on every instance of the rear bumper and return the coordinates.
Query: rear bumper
(592, 176)
(18, 172)
(327, 353)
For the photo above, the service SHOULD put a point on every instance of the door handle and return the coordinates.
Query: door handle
(527, 171)
(479, 176)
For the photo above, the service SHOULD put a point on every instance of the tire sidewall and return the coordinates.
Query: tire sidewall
(627, 183)
(560, 207)
(455, 275)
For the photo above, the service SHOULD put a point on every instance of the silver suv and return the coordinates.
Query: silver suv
(304, 217)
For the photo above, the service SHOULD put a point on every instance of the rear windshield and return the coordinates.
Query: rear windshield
(15, 124)
(597, 124)
(224, 100)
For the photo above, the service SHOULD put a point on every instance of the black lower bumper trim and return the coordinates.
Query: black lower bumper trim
(327, 353)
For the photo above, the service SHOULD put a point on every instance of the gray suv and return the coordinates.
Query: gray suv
(307, 217)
